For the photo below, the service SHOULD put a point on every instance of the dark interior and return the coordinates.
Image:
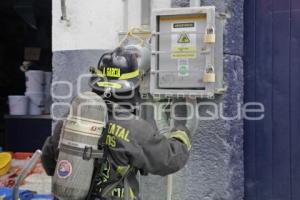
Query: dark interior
(23, 24)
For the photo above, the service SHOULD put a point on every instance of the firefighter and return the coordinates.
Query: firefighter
(132, 144)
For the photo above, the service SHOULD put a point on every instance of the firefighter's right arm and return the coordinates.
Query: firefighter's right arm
(50, 150)
(151, 152)
(160, 154)
(167, 152)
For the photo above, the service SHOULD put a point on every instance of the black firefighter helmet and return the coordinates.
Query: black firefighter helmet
(117, 72)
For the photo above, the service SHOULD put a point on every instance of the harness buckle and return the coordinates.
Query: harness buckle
(87, 153)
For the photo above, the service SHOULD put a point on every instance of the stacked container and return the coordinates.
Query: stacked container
(37, 99)
(18, 105)
(47, 91)
(35, 91)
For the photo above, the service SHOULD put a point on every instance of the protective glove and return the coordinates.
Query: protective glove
(177, 119)
(179, 112)
(161, 118)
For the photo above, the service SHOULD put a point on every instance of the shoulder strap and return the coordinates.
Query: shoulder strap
(110, 187)
(98, 161)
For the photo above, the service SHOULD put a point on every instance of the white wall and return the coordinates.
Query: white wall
(215, 168)
(94, 23)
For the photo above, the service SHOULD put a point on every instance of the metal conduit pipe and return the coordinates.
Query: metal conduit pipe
(125, 15)
(145, 12)
(63, 10)
(192, 125)
(169, 187)
(195, 3)
(64, 17)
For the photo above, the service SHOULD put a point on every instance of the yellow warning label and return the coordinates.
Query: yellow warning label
(184, 39)
(183, 42)
(179, 52)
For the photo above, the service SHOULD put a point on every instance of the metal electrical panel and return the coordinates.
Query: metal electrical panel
(187, 52)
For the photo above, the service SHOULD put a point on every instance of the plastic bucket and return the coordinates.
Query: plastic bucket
(48, 81)
(36, 103)
(18, 105)
(34, 81)
(5, 162)
(48, 102)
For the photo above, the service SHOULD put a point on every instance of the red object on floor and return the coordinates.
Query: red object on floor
(22, 155)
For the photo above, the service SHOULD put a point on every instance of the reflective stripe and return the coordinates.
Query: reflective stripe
(125, 76)
(130, 75)
(124, 172)
(131, 194)
(122, 169)
(99, 73)
(182, 136)
(110, 84)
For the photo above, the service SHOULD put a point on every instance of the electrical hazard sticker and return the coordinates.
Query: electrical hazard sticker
(184, 38)
(64, 169)
(184, 43)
